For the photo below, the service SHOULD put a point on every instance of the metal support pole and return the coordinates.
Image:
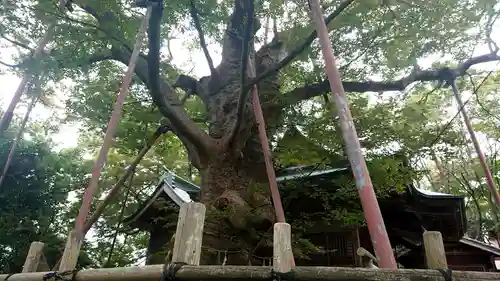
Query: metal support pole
(480, 154)
(9, 113)
(271, 175)
(76, 236)
(266, 150)
(371, 209)
(112, 124)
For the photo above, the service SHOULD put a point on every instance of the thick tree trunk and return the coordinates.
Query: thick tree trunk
(234, 181)
(234, 184)
(239, 210)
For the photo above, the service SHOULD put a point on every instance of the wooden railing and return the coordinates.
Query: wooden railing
(187, 249)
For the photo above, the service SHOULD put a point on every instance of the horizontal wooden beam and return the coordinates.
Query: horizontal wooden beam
(190, 272)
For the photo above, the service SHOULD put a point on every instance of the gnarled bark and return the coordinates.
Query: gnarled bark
(234, 181)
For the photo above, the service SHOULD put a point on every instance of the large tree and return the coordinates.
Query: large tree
(382, 39)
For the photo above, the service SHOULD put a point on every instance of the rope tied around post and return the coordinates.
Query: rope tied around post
(8, 276)
(61, 276)
(281, 276)
(446, 274)
(170, 269)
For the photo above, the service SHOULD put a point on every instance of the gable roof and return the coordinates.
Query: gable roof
(480, 245)
(180, 190)
(177, 188)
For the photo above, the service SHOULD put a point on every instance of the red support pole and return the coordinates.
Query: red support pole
(373, 216)
(27, 76)
(266, 150)
(110, 131)
(480, 154)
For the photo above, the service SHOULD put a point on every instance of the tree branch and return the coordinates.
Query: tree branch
(196, 19)
(100, 57)
(299, 49)
(441, 74)
(10, 65)
(102, 20)
(89, 10)
(17, 43)
(107, 22)
(195, 139)
(245, 52)
(192, 135)
(167, 103)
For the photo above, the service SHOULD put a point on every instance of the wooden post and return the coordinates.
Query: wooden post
(283, 261)
(71, 251)
(33, 258)
(43, 266)
(189, 233)
(435, 254)
(367, 257)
